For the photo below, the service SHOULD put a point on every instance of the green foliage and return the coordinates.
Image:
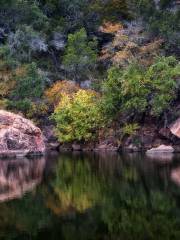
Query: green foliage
(25, 42)
(161, 19)
(31, 85)
(162, 76)
(130, 129)
(139, 90)
(77, 117)
(80, 55)
(20, 105)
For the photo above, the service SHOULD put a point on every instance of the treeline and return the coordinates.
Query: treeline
(86, 64)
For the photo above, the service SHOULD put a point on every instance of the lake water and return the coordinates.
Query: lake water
(93, 196)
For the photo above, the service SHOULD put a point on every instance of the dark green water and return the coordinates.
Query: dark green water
(91, 197)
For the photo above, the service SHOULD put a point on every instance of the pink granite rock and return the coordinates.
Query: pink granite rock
(175, 128)
(19, 136)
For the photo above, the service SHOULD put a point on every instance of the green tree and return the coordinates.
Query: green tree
(137, 90)
(31, 85)
(77, 117)
(80, 55)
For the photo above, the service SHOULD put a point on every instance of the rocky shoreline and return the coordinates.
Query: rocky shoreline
(148, 139)
(19, 137)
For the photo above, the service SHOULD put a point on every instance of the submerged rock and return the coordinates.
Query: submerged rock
(18, 136)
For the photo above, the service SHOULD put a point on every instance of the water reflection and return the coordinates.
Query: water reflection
(19, 176)
(98, 197)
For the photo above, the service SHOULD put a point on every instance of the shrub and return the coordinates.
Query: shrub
(20, 105)
(130, 129)
(80, 55)
(78, 116)
(54, 93)
(137, 90)
(162, 76)
(130, 44)
(37, 110)
(3, 103)
(31, 84)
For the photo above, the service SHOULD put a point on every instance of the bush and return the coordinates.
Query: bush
(54, 93)
(37, 110)
(137, 90)
(80, 55)
(130, 129)
(20, 105)
(78, 116)
(3, 103)
(31, 84)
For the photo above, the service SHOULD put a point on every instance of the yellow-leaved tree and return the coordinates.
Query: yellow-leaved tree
(78, 117)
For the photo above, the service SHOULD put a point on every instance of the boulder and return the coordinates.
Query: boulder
(175, 128)
(132, 148)
(76, 147)
(106, 146)
(19, 137)
(161, 149)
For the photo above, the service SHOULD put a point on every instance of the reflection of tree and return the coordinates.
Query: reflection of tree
(25, 217)
(128, 204)
(21, 218)
(76, 186)
(130, 215)
(94, 197)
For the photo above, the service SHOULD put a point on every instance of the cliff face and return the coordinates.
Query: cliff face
(19, 136)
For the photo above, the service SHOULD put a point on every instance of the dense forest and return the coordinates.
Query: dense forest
(93, 69)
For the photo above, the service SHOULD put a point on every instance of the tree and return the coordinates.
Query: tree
(25, 42)
(31, 84)
(80, 55)
(137, 90)
(77, 117)
(54, 93)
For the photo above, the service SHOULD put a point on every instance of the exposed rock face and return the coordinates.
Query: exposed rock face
(19, 136)
(51, 140)
(175, 128)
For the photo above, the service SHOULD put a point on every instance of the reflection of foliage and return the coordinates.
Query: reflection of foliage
(23, 217)
(76, 186)
(94, 200)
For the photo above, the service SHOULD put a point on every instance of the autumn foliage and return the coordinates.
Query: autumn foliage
(56, 91)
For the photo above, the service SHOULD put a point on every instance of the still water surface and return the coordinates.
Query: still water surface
(90, 197)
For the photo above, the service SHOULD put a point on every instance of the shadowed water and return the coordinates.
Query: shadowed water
(90, 197)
